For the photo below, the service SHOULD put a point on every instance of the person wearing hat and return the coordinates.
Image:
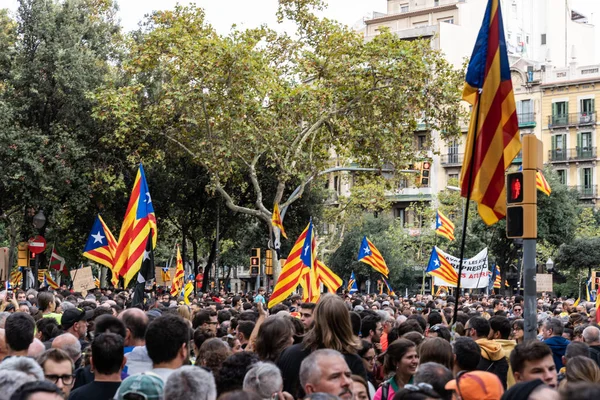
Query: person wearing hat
(145, 386)
(75, 322)
(476, 385)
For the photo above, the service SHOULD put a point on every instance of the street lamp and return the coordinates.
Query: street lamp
(549, 265)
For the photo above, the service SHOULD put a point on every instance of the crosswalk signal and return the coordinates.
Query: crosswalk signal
(269, 262)
(425, 171)
(255, 261)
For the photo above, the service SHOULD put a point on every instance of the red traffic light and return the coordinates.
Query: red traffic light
(515, 188)
(254, 261)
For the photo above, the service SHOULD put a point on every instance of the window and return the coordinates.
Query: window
(403, 8)
(543, 38)
(401, 214)
(422, 142)
(586, 178)
(559, 147)
(527, 39)
(514, 8)
(453, 152)
(562, 176)
(586, 106)
(452, 178)
(584, 145)
(448, 20)
(525, 111)
(335, 184)
(560, 113)
(436, 3)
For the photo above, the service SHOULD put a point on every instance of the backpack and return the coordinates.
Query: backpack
(385, 389)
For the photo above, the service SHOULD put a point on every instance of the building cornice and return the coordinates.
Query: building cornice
(423, 11)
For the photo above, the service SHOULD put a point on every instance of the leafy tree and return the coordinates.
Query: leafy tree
(256, 98)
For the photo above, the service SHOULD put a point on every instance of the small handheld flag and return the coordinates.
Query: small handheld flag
(177, 283)
(57, 262)
(352, 287)
(389, 288)
(276, 220)
(443, 226)
(369, 254)
(440, 266)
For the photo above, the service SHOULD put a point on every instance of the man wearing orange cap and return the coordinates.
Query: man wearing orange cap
(476, 385)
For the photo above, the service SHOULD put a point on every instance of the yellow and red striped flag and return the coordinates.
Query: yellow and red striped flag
(369, 254)
(542, 184)
(443, 226)
(597, 308)
(494, 128)
(51, 282)
(101, 247)
(291, 271)
(16, 276)
(177, 283)
(326, 276)
(440, 266)
(139, 219)
(276, 220)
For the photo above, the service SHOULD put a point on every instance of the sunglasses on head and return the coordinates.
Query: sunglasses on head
(424, 388)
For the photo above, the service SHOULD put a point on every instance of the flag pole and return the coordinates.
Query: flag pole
(466, 208)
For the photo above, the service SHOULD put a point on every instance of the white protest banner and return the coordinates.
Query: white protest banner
(475, 274)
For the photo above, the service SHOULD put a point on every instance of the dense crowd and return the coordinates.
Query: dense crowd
(64, 345)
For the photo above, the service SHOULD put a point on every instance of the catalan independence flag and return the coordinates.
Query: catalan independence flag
(177, 283)
(49, 281)
(327, 277)
(440, 266)
(101, 246)
(276, 220)
(443, 226)
(352, 286)
(389, 288)
(498, 278)
(369, 254)
(139, 219)
(494, 129)
(308, 276)
(542, 184)
(292, 269)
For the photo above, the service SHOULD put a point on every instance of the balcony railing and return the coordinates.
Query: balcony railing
(576, 154)
(586, 192)
(449, 160)
(576, 119)
(526, 120)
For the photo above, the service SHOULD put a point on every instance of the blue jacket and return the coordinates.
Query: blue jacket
(558, 344)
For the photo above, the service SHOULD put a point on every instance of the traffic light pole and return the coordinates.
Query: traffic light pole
(530, 289)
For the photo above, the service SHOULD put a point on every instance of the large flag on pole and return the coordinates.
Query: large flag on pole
(440, 266)
(369, 254)
(308, 276)
(493, 139)
(139, 219)
(443, 226)
(177, 283)
(290, 273)
(57, 262)
(146, 273)
(327, 277)
(352, 286)
(276, 220)
(101, 246)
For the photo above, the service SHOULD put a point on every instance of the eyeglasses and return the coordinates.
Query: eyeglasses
(66, 379)
(369, 359)
(517, 309)
(212, 323)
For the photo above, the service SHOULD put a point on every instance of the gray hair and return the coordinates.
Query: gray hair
(3, 316)
(263, 378)
(69, 344)
(190, 382)
(309, 369)
(437, 376)
(11, 381)
(591, 334)
(67, 305)
(23, 364)
(556, 325)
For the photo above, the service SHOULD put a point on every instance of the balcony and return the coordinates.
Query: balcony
(576, 154)
(518, 158)
(451, 160)
(567, 120)
(526, 120)
(586, 192)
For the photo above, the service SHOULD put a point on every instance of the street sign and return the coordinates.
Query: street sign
(37, 244)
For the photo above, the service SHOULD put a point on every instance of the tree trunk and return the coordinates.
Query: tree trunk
(207, 268)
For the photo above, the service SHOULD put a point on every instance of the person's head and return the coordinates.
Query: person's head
(109, 323)
(360, 388)
(58, 368)
(582, 369)
(46, 302)
(264, 379)
(575, 349)
(190, 382)
(533, 360)
(439, 331)
(212, 354)
(518, 330)
(274, 335)
(332, 328)
(234, 369)
(141, 387)
(107, 354)
(38, 390)
(371, 328)
(23, 364)
(552, 327)
(580, 391)
(69, 344)
(326, 370)
(136, 322)
(436, 350)
(467, 354)
(591, 335)
(401, 357)
(367, 354)
(21, 296)
(477, 328)
(75, 321)
(19, 329)
(500, 328)
(206, 318)
(11, 380)
(244, 330)
(518, 310)
(437, 376)
(476, 385)
(306, 314)
(167, 340)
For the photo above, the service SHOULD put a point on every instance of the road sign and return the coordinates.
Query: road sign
(37, 244)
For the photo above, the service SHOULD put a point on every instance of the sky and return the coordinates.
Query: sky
(222, 14)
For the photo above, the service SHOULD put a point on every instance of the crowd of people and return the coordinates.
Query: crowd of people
(64, 345)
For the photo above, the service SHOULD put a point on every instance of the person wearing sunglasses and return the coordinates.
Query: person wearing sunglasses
(58, 369)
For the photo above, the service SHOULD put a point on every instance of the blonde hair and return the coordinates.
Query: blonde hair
(582, 369)
(184, 311)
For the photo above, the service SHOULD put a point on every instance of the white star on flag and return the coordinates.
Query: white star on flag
(436, 262)
(367, 250)
(306, 249)
(146, 255)
(98, 237)
(149, 200)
